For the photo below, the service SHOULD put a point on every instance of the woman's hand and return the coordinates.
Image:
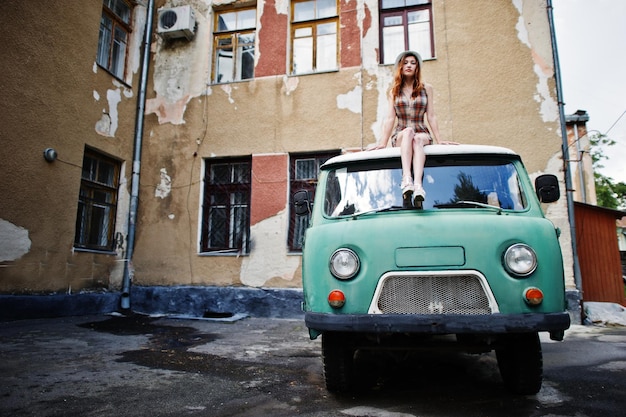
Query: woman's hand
(374, 146)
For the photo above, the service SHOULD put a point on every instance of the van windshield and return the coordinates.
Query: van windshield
(375, 186)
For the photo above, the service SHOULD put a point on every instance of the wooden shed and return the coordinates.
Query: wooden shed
(598, 253)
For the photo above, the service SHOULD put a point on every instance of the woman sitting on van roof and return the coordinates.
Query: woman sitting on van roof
(410, 99)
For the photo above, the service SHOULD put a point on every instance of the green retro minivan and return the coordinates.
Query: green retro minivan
(477, 267)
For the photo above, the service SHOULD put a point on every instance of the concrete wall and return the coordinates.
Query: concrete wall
(494, 84)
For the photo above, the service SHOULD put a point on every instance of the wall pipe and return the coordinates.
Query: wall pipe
(579, 161)
(565, 149)
(134, 195)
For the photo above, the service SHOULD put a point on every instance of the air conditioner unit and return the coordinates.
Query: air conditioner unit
(177, 22)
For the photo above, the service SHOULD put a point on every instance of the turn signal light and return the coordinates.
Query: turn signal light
(533, 296)
(336, 299)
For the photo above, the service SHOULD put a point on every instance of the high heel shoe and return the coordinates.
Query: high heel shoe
(407, 188)
(419, 195)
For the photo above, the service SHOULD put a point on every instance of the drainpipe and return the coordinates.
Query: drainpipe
(579, 160)
(565, 148)
(581, 167)
(134, 194)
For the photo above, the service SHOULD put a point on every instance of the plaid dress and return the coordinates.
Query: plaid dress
(410, 113)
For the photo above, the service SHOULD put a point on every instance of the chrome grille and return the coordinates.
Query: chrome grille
(433, 294)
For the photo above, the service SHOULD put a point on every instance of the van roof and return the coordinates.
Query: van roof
(387, 153)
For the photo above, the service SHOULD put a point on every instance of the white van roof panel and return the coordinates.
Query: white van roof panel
(429, 150)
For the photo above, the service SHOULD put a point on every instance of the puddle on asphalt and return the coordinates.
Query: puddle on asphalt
(170, 348)
(167, 346)
(135, 324)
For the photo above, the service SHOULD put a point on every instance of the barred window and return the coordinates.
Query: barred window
(113, 39)
(234, 38)
(303, 171)
(314, 36)
(97, 202)
(226, 206)
(406, 25)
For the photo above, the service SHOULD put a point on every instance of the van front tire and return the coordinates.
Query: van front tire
(338, 357)
(520, 361)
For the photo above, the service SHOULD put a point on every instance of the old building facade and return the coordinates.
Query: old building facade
(70, 87)
(244, 100)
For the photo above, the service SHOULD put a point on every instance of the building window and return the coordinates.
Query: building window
(406, 25)
(314, 36)
(233, 45)
(226, 206)
(114, 33)
(97, 202)
(303, 172)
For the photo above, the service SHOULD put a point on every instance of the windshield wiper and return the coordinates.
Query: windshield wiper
(464, 203)
(381, 210)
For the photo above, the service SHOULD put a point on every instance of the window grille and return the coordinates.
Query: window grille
(304, 169)
(226, 206)
(97, 203)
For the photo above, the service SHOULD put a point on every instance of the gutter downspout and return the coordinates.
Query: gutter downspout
(579, 160)
(565, 149)
(134, 195)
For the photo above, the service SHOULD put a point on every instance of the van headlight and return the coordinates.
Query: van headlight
(344, 263)
(520, 260)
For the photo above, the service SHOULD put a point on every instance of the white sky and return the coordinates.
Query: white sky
(591, 41)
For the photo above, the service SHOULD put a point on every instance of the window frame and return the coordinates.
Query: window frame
(314, 23)
(296, 184)
(86, 225)
(234, 35)
(422, 5)
(117, 23)
(229, 204)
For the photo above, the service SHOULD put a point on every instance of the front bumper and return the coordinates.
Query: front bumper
(555, 323)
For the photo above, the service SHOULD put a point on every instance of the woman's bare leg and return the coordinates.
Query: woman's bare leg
(406, 150)
(419, 158)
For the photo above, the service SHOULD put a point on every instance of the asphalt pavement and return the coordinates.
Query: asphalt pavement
(163, 366)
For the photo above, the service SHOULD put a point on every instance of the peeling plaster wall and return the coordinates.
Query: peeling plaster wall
(265, 262)
(272, 27)
(109, 122)
(177, 73)
(55, 95)
(14, 241)
(493, 78)
(541, 54)
(534, 34)
(269, 186)
(351, 100)
(164, 188)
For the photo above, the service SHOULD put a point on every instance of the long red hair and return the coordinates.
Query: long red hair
(398, 77)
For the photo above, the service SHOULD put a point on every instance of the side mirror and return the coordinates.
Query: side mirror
(302, 202)
(547, 188)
